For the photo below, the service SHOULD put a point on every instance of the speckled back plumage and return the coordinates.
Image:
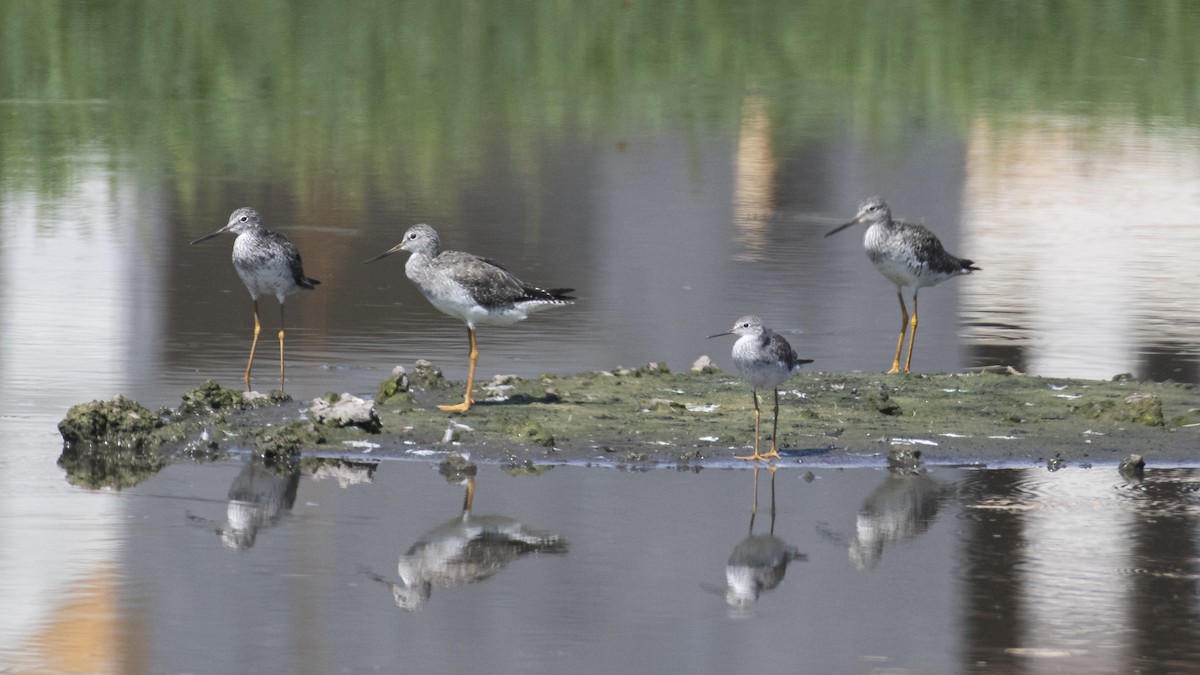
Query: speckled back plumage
(906, 253)
(266, 261)
(469, 287)
(762, 356)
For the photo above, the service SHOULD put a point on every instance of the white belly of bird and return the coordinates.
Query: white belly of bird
(461, 306)
(760, 373)
(900, 272)
(266, 280)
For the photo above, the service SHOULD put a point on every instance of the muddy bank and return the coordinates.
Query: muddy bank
(648, 416)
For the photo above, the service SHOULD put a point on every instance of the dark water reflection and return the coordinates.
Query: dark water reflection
(759, 561)
(261, 494)
(1014, 570)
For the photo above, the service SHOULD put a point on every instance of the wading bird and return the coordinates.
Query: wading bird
(910, 256)
(765, 360)
(267, 263)
(472, 289)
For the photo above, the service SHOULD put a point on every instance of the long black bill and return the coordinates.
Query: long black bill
(384, 254)
(841, 227)
(209, 236)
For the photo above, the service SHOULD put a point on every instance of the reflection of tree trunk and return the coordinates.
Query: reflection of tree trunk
(754, 178)
(1165, 546)
(991, 555)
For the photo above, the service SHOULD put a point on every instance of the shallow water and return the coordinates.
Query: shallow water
(955, 570)
(678, 165)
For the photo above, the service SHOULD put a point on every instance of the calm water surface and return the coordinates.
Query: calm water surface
(228, 567)
(677, 164)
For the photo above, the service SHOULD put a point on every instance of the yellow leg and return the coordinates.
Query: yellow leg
(774, 453)
(903, 329)
(467, 400)
(469, 498)
(757, 420)
(912, 336)
(754, 507)
(772, 530)
(281, 347)
(253, 346)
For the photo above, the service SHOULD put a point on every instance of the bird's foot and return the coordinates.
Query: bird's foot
(759, 456)
(458, 407)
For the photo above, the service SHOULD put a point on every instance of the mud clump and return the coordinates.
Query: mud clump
(705, 366)
(428, 376)
(395, 390)
(534, 433)
(883, 403)
(210, 398)
(649, 370)
(120, 422)
(904, 459)
(283, 443)
(1133, 468)
(1144, 409)
(345, 411)
(254, 399)
(110, 443)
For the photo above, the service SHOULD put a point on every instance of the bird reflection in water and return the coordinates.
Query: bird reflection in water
(465, 549)
(899, 510)
(261, 494)
(759, 561)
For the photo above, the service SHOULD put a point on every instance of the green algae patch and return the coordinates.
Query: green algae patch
(285, 441)
(210, 398)
(428, 376)
(120, 422)
(110, 444)
(396, 391)
(1144, 409)
(533, 433)
(650, 416)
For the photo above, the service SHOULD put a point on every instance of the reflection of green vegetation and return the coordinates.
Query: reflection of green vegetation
(358, 98)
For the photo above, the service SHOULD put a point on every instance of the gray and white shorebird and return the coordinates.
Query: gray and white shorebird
(910, 256)
(268, 264)
(472, 289)
(758, 562)
(765, 360)
(465, 550)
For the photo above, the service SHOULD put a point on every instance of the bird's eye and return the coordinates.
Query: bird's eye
(412, 235)
(244, 219)
(745, 324)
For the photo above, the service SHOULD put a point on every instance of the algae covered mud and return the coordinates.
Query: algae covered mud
(648, 416)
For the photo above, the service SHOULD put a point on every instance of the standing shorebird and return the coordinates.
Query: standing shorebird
(764, 359)
(267, 263)
(472, 289)
(910, 256)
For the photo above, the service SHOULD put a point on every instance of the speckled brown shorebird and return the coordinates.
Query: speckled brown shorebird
(267, 263)
(765, 360)
(910, 256)
(472, 289)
